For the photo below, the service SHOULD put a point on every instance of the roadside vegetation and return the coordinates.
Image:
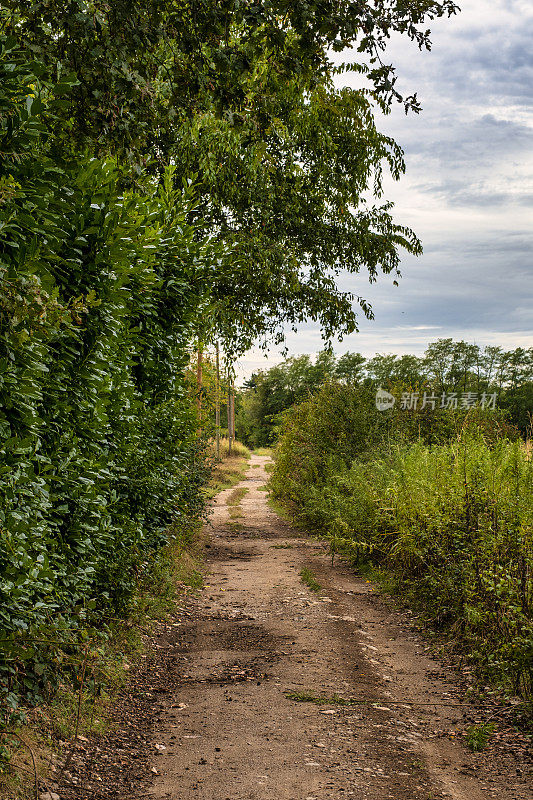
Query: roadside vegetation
(442, 500)
(89, 676)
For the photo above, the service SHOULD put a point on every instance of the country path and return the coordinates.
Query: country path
(230, 729)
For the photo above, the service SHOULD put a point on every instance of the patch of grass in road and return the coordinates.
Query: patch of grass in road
(334, 700)
(225, 475)
(285, 546)
(235, 512)
(263, 451)
(262, 488)
(256, 466)
(236, 496)
(235, 527)
(309, 579)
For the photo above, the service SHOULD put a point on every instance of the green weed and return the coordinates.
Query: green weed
(309, 579)
(477, 736)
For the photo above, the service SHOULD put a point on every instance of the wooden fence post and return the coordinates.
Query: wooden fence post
(217, 402)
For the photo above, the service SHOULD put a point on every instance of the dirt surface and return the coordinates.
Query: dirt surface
(209, 716)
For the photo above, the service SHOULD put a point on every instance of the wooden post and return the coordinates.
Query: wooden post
(233, 410)
(217, 402)
(199, 381)
(229, 414)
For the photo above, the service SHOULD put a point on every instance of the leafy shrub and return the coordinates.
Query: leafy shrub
(323, 435)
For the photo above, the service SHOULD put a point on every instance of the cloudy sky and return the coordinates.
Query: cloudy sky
(468, 192)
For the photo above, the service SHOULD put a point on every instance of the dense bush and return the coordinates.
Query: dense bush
(99, 286)
(323, 435)
(454, 519)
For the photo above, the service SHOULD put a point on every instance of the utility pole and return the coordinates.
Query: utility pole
(217, 402)
(233, 410)
(199, 382)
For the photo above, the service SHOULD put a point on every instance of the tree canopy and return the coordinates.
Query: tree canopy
(240, 96)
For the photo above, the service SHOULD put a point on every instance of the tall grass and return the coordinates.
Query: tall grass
(238, 449)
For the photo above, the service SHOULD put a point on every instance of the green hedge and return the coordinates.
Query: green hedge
(101, 280)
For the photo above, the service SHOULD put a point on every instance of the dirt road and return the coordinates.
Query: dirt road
(232, 730)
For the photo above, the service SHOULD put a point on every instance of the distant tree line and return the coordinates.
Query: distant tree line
(446, 366)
